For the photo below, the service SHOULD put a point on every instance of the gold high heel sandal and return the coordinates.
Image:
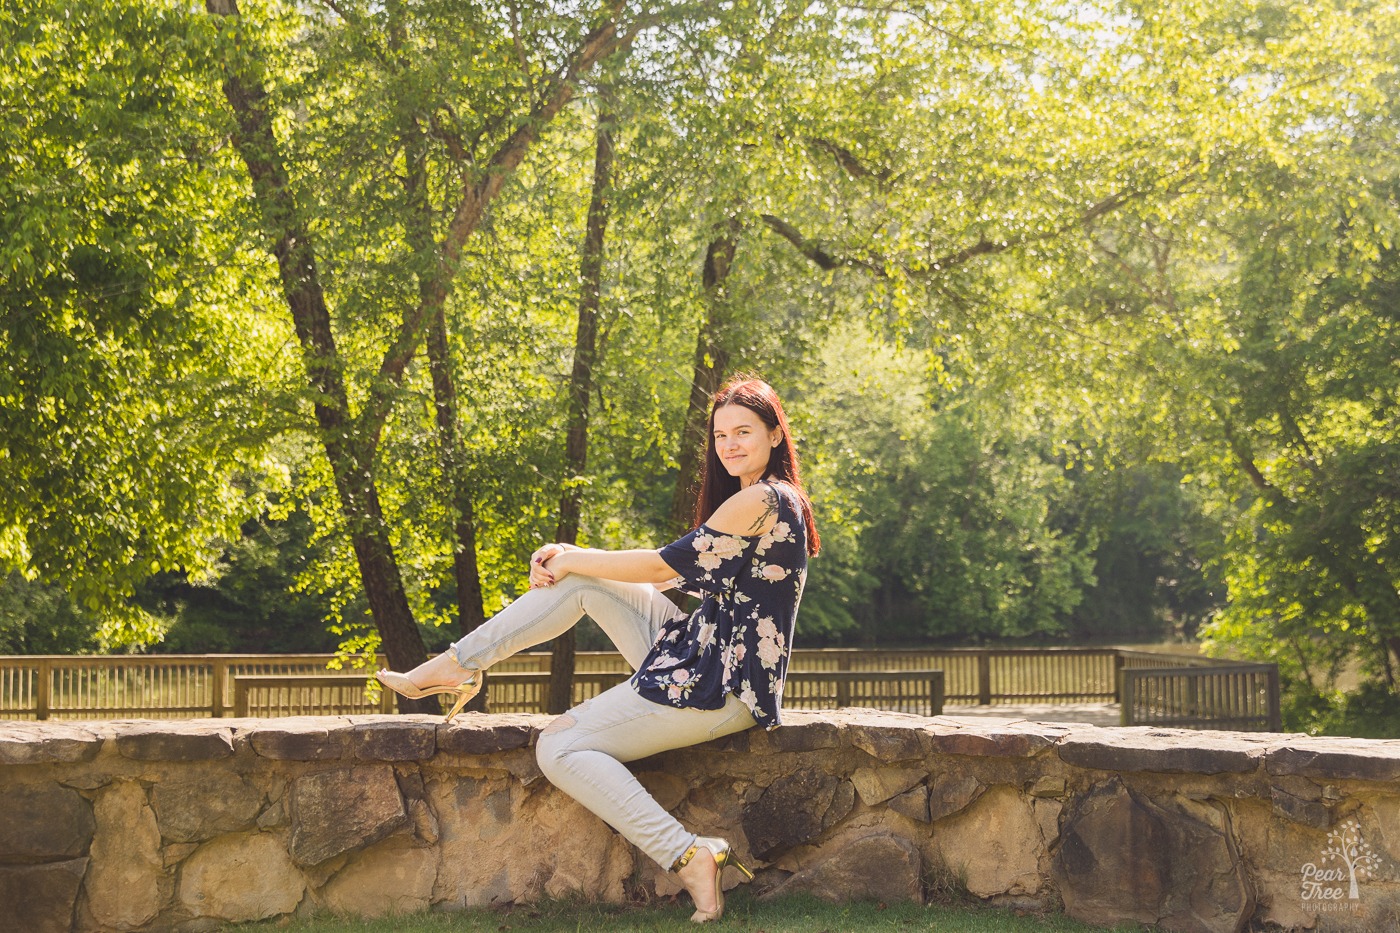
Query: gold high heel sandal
(400, 684)
(724, 856)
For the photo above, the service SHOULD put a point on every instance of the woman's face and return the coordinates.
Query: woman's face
(744, 443)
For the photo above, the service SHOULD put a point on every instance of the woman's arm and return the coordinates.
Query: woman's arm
(636, 566)
(750, 511)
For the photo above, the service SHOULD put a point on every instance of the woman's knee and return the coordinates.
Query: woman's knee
(552, 745)
(578, 588)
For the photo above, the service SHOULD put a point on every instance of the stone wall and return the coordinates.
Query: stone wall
(187, 825)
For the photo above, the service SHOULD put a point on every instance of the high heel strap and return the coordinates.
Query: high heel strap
(722, 851)
(716, 846)
(458, 661)
(724, 854)
(685, 858)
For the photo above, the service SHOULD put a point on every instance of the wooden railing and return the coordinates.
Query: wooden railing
(184, 686)
(306, 695)
(528, 691)
(973, 675)
(1140, 659)
(159, 686)
(1243, 697)
(340, 694)
(897, 691)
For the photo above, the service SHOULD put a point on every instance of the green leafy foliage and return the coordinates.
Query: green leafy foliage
(1085, 313)
(946, 499)
(139, 381)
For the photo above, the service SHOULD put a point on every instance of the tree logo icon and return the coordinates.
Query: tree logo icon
(1354, 859)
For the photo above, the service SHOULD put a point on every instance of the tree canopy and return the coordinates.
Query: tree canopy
(1085, 313)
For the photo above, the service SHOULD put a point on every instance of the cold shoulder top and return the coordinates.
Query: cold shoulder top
(739, 638)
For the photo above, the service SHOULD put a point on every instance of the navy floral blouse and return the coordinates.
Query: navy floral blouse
(739, 638)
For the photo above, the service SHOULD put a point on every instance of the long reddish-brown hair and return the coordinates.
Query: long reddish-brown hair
(716, 483)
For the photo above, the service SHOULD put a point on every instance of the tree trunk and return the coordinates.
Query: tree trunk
(347, 450)
(432, 296)
(711, 363)
(470, 611)
(561, 680)
(379, 573)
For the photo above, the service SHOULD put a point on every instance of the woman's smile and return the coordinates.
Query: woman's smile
(743, 442)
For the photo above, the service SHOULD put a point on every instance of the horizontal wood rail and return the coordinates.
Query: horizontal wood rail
(528, 691)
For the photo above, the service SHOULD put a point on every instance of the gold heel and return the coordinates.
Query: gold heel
(464, 696)
(731, 860)
(464, 691)
(724, 856)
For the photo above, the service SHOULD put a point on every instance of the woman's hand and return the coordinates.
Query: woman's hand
(539, 575)
(555, 566)
(554, 562)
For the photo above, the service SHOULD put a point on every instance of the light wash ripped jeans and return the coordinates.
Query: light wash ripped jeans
(582, 751)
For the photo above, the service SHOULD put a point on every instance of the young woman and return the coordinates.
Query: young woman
(718, 671)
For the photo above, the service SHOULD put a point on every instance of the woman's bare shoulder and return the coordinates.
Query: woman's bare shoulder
(752, 510)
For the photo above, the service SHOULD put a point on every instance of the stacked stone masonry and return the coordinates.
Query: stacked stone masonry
(138, 825)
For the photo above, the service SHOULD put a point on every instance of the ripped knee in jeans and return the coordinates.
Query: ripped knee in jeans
(560, 724)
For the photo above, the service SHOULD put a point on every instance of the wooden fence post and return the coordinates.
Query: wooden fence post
(1275, 714)
(216, 702)
(240, 697)
(984, 677)
(43, 688)
(1127, 686)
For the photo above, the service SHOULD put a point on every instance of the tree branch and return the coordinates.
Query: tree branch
(449, 138)
(826, 259)
(846, 159)
(557, 92)
(809, 248)
(1245, 458)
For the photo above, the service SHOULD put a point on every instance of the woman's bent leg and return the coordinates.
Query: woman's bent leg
(582, 752)
(630, 613)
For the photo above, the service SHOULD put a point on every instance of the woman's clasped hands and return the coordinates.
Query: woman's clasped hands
(541, 575)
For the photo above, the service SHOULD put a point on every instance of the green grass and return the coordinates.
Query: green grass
(742, 912)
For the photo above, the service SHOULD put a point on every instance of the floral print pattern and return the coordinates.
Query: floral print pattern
(739, 639)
